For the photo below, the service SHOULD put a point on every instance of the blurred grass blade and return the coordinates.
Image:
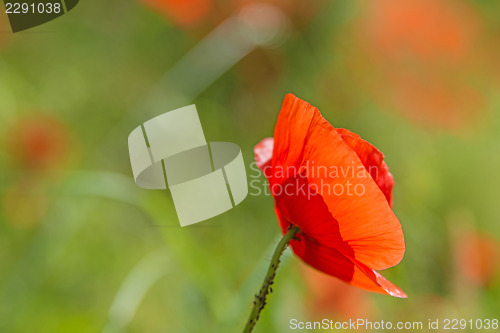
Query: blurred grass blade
(138, 282)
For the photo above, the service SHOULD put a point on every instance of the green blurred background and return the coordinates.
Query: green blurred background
(83, 249)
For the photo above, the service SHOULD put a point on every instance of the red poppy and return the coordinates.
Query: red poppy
(430, 56)
(184, 13)
(336, 188)
(193, 13)
(38, 141)
(478, 255)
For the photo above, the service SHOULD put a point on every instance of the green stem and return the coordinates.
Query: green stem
(260, 299)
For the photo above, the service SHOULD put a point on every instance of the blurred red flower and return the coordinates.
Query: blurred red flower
(193, 13)
(478, 257)
(310, 169)
(428, 54)
(38, 141)
(430, 30)
(184, 13)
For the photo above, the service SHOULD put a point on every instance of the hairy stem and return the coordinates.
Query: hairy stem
(260, 298)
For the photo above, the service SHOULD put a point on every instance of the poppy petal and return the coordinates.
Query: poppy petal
(263, 152)
(298, 204)
(305, 141)
(372, 159)
(334, 263)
